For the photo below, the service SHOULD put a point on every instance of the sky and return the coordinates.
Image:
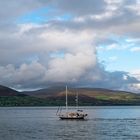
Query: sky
(84, 43)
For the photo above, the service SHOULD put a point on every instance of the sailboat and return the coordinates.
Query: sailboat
(78, 114)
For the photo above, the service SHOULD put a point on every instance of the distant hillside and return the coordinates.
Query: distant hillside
(87, 96)
(10, 97)
(55, 96)
(5, 91)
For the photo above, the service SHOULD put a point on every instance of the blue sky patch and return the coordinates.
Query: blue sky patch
(43, 15)
(120, 57)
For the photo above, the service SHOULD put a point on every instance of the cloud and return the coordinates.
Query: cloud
(61, 47)
(134, 88)
(80, 8)
(30, 59)
(136, 74)
(112, 46)
(24, 76)
(135, 49)
(71, 68)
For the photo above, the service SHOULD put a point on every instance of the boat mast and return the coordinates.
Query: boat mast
(66, 100)
(77, 100)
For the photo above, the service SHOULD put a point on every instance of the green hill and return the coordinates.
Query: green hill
(87, 96)
(10, 97)
(55, 96)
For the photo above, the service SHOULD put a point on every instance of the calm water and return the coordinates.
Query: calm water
(41, 123)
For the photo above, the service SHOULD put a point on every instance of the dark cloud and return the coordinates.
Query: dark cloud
(78, 7)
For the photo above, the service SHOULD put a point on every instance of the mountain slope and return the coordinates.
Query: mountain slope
(55, 96)
(10, 97)
(5, 91)
(87, 96)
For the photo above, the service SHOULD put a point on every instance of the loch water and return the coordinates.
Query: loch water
(41, 123)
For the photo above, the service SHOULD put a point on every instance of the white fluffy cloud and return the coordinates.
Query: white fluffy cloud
(36, 54)
(136, 73)
(71, 67)
(31, 61)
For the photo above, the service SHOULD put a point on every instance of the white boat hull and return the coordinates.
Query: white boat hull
(73, 116)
